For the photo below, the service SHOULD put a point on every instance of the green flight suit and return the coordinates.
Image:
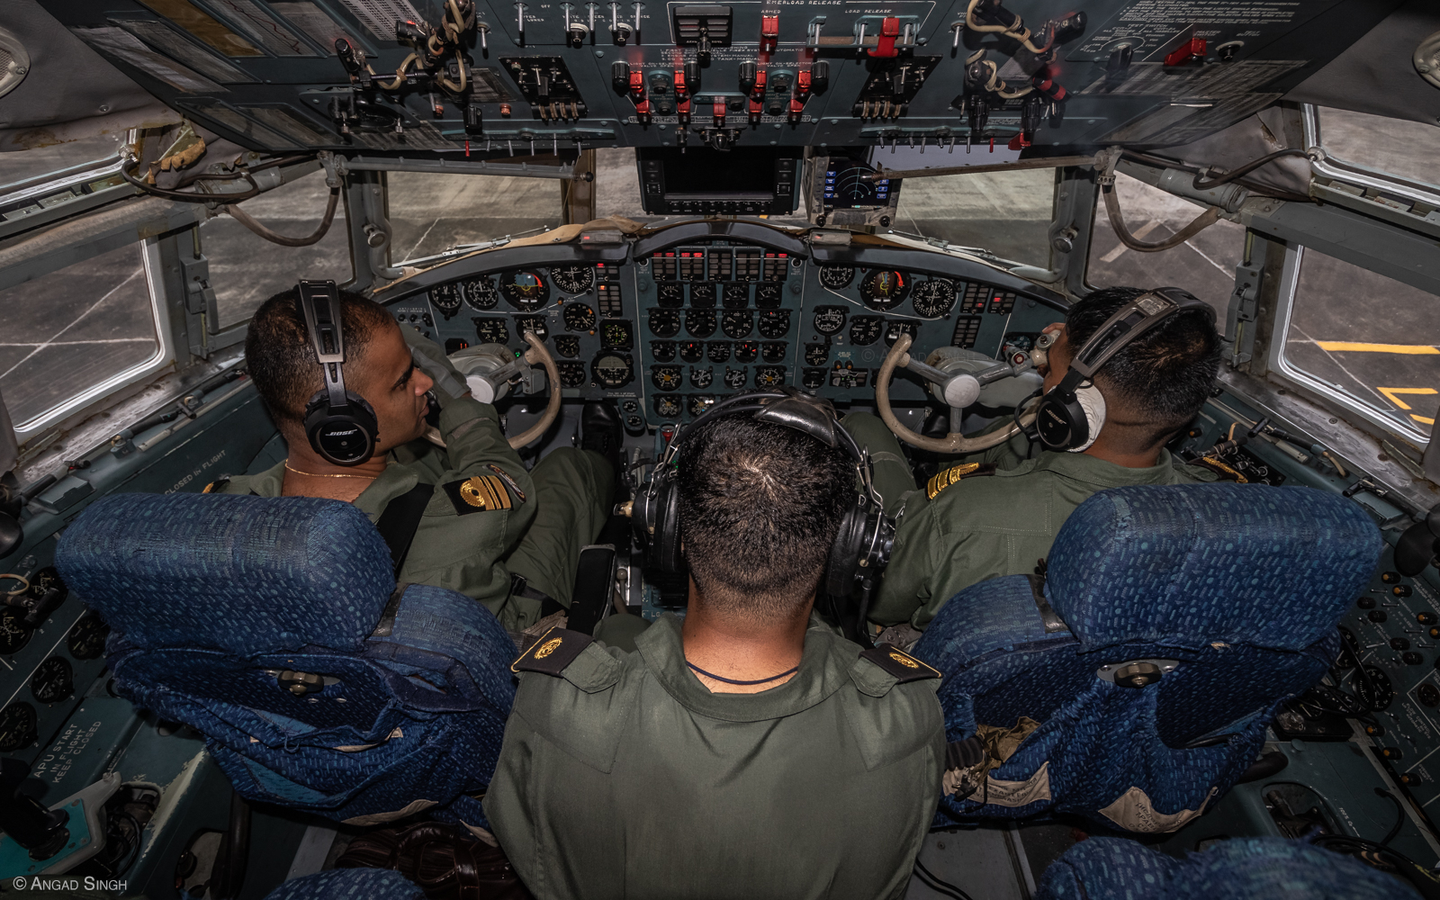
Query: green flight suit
(473, 546)
(621, 775)
(988, 523)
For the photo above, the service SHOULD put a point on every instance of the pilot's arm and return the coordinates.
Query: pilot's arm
(905, 587)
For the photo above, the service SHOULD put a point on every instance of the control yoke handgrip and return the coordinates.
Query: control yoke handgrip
(539, 354)
(953, 443)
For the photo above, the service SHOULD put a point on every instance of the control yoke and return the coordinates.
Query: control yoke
(489, 368)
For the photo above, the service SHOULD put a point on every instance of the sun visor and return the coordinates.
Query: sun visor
(1276, 128)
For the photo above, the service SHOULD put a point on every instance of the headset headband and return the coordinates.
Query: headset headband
(1128, 324)
(323, 323)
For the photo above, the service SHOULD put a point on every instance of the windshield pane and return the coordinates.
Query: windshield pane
(1204, 265)
(73, 329)
(19, 167)
(1388, 359)
(1006, 213)
(1391, 146)
(429, 214)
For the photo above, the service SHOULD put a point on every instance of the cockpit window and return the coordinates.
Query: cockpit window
(24, 169)
(430, 213)
(1005, 213)
(246, 270)
(1380, 145)
(73, 333)
(1385, 362)
(1204, 265)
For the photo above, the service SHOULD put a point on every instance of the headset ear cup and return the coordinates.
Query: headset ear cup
(665, 542)
(844, 556)
(345, 437)
(1092, 406)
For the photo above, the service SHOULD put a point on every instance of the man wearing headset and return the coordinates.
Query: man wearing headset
(997, 514)
(737, 753)
(485, 518)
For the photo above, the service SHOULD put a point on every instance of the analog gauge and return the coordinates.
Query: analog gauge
(535, 324)
(774, 351)
(14, 633)
(813, 379)
(934, 298)
(895, 329)
(746, 351)
(774, 323)
(1376, 691)
(829, 320)
(664, 322)
(836, 277)
(663, 351)
(17, 727)
(567, 345)
(668, 407)
(491, 331)
(692, 351)
(670, 295)
(884, 289)
(866, 330)
(446, 298)
(87, 639)
(817, 354)
(480, 293)
(738, 323)
(612, 370)
(718, 351)
(53, 681)
(525, 289)
(702, 296)
(767, 296)
(735, 378)
(696, 405)
(573, 279)
(767, 377)
(615, 334)
(701, 378)
(46, 585)
(699, 322)
(666, 378)
(572, 374)
(579, 317)
(737, 296)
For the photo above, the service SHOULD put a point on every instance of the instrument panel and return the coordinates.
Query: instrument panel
(671, 322)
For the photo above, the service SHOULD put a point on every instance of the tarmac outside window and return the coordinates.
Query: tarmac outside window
(1381, 145)
(1005, 213)
(430, 213)
(20, 169)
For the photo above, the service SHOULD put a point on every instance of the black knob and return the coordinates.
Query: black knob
(1375, 730)
(1391, 753)
(1377, 615)
(692, 77)
(1366, 603)
(1412, 658)
(1399, 644)
(1402, 590)
(1425, 618)
(819, 76)
(620, 76)
(1390, 577)
(747, 76)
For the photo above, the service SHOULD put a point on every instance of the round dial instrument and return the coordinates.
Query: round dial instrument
(579, 317)
(567, 345)
(480, 293)
(699, 403)
(866, 330)
(735, 378)
(572, 374)
(664, 322)
(774, 323)
(884, 289)
(895, 329)
(738, 323)
(737, 296)
(934, 298)
(535, 324)
(701, 378)
(668, 406)
(670, 295)
(767, 296)
(446, 298)
(492, 331)
(525, 289)
(836, 277)
(14, 633)
(829, 320)
(612, 370)
(87, 638)
(700, 322)
(666, 378)
(692, 351)
(53, 681)
(767, 377)
(663, 351)
(702, 296)
(746, 351)
(718, 351)
(17, 727)
(573, 279)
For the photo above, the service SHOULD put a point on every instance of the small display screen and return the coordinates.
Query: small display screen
(704, 174)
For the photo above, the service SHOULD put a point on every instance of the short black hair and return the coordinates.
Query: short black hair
(281, 359)
(1167, 373)
(760, 505)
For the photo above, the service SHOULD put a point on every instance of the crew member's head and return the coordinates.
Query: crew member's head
(1157, 383)
(280, 358)
(760, 505)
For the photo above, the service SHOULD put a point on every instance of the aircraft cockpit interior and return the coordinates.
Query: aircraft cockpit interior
(623, 215)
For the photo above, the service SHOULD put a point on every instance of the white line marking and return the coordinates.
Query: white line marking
(76, 321)
(1137, 234)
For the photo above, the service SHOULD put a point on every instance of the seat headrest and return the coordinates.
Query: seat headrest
(237, 573)
(1195, 564)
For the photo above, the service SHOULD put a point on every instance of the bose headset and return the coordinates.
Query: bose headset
(1069, 416)
(341, 425)
(862, 545)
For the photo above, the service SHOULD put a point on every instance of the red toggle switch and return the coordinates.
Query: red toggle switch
(680, 89)
(797, 106)
(757, 93)
(889, 33)
(719, 113)
(1191, 49)
(802, 84)
(755, 111)
(637, 85)
(769, 32)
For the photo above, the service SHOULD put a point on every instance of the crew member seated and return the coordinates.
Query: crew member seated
(1144, 371)
(737, 752)
(355, 430)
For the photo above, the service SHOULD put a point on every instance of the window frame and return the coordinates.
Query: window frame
(64, 179)
(1355, 173)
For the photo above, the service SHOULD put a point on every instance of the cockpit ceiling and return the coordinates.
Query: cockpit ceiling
(1143, 73)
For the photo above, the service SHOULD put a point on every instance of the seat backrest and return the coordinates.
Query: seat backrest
(1225, 597)
(273, 626)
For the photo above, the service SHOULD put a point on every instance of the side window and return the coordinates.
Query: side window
(1204, 265)
(1384, 363)
(1380, 145)
(21, 170)
(246, 270)
(430, 214)
(76, 332)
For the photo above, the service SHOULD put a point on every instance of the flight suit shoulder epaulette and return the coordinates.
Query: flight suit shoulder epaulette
(899, 664)
(217, 486)
(552, 652)
(947, 477)
(484, 492)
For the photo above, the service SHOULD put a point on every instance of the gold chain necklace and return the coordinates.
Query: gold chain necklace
(320, 475)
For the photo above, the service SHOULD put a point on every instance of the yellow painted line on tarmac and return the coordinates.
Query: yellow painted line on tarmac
(1393, 393)
(1354, 347)
(1422, 420)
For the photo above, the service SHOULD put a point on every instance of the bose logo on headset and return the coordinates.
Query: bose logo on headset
(340, 425)
(1071, 414)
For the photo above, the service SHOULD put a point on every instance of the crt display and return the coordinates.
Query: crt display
(700, 174)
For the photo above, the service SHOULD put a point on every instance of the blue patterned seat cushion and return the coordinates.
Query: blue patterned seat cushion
(1199, 563)
(349, 884)
(237, 573)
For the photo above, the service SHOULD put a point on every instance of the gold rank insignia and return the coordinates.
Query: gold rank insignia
(943, 480)
(552, 652)
(900, 664)
(478, 492)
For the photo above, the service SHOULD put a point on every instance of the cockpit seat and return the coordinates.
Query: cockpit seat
(349, 884)
(1239, 869)
(275, 628)
(1133, 682)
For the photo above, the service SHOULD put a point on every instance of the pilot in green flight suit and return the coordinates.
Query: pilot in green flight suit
(488, 517)
(998, 512)
(736, 753)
